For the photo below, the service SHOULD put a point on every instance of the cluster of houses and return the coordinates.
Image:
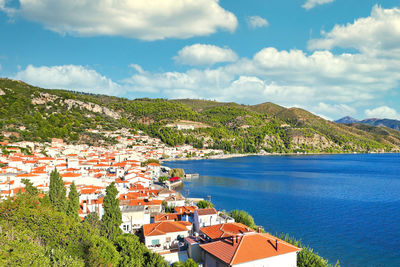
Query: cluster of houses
(206, 235)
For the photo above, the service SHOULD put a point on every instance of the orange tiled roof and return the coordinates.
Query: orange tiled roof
(162, 228)
(210, 211)
(70, 174)
(167, 217)
(249, 247)
(225, 230)
(185, 209)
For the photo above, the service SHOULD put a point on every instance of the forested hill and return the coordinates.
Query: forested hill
(36, 114)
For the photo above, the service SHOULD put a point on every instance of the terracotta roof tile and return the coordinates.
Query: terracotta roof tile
(249, 247)
(161, 228)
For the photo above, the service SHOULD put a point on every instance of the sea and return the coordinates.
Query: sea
(346, 207)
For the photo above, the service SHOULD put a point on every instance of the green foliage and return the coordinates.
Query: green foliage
(242, 216)
(167, 208)
(94, 221)
(33, 234)
(187, 263)
(147, 162)
(306, 257)
(176, 172)
(73, 202)
(204, 204)
(162, 179)
(231, 127)
(57, 191)
(102, 252)
(29, 188)
(112, 217)
(130, 249)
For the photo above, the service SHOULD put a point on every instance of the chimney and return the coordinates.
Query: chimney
(259, 229)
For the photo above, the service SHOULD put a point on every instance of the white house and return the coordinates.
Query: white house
(209, 217)
(166, 235)
(134, 217)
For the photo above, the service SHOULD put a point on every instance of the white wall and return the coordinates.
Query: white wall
(285, 260)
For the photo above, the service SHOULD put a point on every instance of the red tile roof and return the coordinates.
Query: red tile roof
(167, 217)
(225, 230)
(210, 211)
(161, 228)
(249, 247)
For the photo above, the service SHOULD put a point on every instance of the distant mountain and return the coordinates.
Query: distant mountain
(394, 124)
(346, 120)
(35, 114)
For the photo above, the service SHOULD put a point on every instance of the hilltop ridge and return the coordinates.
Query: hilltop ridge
(35, 114)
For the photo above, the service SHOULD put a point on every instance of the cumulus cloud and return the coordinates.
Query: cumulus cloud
(203, 54)
(383, 112)
(256, 22)
(378, 34)
(146, 20)
(71, 77)
(309, 4)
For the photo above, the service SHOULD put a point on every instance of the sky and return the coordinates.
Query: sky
(334, 58)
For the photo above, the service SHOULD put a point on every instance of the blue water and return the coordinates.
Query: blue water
(346, 207)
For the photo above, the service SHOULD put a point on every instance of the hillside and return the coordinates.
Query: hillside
(394, 124)
(31, 113)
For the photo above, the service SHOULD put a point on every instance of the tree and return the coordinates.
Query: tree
(73, 202)
(131, 251)
(187, 263)
(242, 216)
(57, 191)
(29, 188)
(204, 204)
(177, 173)
(94, 221)
(162, 179)
(112, 217)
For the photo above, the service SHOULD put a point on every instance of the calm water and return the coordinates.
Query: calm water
(346, 207)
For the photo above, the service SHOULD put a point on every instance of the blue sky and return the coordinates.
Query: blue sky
(331, 57)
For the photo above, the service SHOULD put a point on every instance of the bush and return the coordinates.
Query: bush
(177, 173)
(204, 204)
(242, 216)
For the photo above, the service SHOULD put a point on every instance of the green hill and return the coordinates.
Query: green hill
(31, 113)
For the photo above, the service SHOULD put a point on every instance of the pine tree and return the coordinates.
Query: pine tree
(112, 217)
(57, 191)
(29, 188)
(73, 202)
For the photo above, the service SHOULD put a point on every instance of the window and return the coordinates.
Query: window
(155, 242)
(126, 227)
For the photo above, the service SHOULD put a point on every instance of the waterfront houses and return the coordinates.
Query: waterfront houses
(165, 221)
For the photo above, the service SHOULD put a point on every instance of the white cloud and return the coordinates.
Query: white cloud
(378, 34)
(383, 112)
(71, 77)
(309, 4)
(202, 54)
(333, 110)
(257, 22)
(146, 20)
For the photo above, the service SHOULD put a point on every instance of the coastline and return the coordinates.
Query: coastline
(238, 155)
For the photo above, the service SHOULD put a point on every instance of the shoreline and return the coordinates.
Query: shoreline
(237, 155)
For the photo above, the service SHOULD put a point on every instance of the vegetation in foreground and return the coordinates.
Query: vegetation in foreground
(41, 232)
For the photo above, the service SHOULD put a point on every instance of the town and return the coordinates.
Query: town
(166, 222)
